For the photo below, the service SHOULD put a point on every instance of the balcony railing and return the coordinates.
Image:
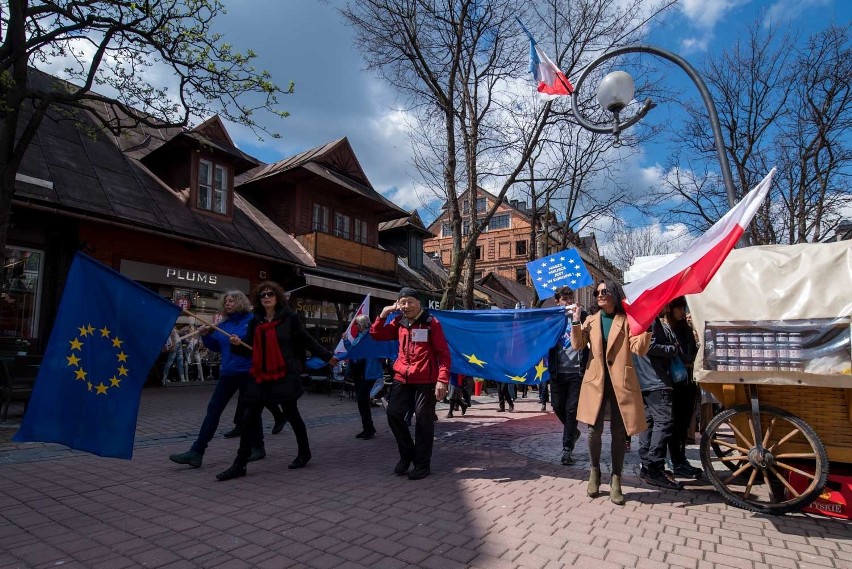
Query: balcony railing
(327, 247)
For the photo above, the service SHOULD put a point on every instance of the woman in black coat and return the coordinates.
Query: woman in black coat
(279, 344)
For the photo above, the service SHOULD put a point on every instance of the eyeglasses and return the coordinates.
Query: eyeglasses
(266, 294)
(601, 292)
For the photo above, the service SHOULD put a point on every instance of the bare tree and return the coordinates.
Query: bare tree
(455, 61)
(627, 243)
(779, 105)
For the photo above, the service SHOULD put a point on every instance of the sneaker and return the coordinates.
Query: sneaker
(235, 471)
(233, 433)
(543, 407)
(189, 457)
(501, 410)
(643, 472)
(511, 407)
(662, 480)
(567, 458)
(366, 435)
(686, 470)
(401, 467)
(419, 473)
(279, 426)
(258, 453)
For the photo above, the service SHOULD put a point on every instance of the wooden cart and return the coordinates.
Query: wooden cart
(777, 355)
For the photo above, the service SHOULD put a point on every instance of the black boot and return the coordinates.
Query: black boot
(236, 470)
(301, 459)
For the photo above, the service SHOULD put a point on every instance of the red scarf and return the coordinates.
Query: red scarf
(267, 363)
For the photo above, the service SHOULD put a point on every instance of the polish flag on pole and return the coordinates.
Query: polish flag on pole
(552, 82)
(352, 330)
(693, 269)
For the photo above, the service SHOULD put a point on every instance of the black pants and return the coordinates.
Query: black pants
(251, 422)
(418, 449)
(654, 442)
(683, 413)
(362, 398)
(504, 395)
(616, 428)
(565, 396)
(240, 412)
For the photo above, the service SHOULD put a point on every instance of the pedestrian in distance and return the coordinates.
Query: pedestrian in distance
(278, 343)
(610, 379)
(175, 357)
(233, 378)
(421, 372)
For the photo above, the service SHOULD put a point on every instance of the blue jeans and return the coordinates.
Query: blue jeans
(225, 389)
(176, 355)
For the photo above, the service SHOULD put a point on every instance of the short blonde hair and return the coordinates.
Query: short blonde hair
(241, 301)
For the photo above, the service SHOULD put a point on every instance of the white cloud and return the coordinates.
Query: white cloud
(706, 14)
(789, 10)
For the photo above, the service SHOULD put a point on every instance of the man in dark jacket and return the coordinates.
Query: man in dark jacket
(421, 373)
(655, 380)
(566, 377)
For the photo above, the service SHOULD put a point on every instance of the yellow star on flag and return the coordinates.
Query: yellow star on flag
(540, 369)
(89, 385)
(116, 343)
(518, 378)
(81, 374)
(122, 357)
(474, 360)
(83, 331)
(114, 381)
(90, 329)
(72, 360)
(75, 344)
(101, 389)
(122, 370)
(104, 332)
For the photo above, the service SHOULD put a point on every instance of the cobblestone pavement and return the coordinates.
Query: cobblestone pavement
(498, 497)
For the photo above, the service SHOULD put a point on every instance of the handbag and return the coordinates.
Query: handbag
(679, 373)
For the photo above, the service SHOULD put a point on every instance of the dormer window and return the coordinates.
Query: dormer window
(213, 187)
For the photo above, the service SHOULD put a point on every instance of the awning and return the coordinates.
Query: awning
(349, 287)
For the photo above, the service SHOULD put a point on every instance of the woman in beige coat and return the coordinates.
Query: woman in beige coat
(609, 377)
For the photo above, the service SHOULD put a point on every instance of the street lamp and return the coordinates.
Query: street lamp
(616, 91)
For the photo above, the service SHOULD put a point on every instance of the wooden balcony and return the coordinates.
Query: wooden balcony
(327, 247)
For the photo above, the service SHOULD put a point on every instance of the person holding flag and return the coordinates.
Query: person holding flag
(364, 373)
(421, 373)
(277, 344)
(609, 378)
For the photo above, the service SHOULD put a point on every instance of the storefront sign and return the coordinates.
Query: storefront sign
(178, 276)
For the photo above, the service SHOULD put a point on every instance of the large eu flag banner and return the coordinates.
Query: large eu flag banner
(565, 268)
(107, 335)
(509, 346)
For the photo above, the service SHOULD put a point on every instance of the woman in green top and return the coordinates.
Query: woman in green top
(609, 377)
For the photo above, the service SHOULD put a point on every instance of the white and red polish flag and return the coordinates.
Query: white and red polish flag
(352, 330)
(693, 269)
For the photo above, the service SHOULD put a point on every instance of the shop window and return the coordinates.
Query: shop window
(320, 218)
(213, 187)
(341, 225)
(20, 291)
(520, 248)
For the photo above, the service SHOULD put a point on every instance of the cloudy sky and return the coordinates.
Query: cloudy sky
(306, 41)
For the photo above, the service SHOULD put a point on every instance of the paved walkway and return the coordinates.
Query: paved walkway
(497, 498)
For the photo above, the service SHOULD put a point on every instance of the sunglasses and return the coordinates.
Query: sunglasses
(601, 292)
(266, 294)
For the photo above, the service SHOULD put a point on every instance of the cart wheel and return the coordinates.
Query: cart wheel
(760, 483)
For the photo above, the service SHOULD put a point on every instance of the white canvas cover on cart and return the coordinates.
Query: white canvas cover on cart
(777, 314)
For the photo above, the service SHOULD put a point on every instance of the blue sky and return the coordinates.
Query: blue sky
(306, 41)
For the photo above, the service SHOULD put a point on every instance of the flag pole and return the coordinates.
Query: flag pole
(208, 323)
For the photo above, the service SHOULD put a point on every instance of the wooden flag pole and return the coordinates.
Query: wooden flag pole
(208, 323)
(189, 335)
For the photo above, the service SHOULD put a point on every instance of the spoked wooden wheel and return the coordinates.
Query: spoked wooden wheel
(755, 477)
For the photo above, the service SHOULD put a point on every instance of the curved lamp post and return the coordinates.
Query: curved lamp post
(616, 91)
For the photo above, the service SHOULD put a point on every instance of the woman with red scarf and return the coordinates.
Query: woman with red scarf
(279, 344)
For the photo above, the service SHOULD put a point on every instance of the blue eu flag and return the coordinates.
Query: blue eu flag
(565, 268)
(107, 335)
(510, 346)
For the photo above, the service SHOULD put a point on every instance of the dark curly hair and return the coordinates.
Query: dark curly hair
(280, 296)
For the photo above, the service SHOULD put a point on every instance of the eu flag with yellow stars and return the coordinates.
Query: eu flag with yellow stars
(510, 346)
(107, 335)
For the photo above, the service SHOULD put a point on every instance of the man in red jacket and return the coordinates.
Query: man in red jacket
(421, 373)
